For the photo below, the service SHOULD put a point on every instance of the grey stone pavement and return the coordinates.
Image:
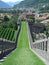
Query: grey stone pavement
(43, 55)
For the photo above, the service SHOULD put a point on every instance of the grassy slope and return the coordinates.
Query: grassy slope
(23, 55)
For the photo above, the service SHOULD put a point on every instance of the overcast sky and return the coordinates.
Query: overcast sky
(11, 0)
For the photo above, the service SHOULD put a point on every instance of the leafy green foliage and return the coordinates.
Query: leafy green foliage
(8, 28)
(12, 23)
(6, 18)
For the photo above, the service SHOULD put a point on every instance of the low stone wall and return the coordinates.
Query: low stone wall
(41, 44)
(41, 47)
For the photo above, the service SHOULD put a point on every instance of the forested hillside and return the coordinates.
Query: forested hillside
(33, 3)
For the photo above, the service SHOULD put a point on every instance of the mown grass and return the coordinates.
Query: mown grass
(23, 55)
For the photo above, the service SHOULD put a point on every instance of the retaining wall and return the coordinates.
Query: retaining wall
(7, 46)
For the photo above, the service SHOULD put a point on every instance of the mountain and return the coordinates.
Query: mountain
(4, 5)
(32, 3)
(13, 3)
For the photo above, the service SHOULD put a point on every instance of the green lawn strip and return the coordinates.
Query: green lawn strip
(2, 31)
(14, 37)
(7, 31)
(23, 55)
(11, 36)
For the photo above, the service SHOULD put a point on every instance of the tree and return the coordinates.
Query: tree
(6, 18)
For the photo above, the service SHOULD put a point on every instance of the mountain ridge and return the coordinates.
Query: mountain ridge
(13, 3)
(32, 3)
(4, 5)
